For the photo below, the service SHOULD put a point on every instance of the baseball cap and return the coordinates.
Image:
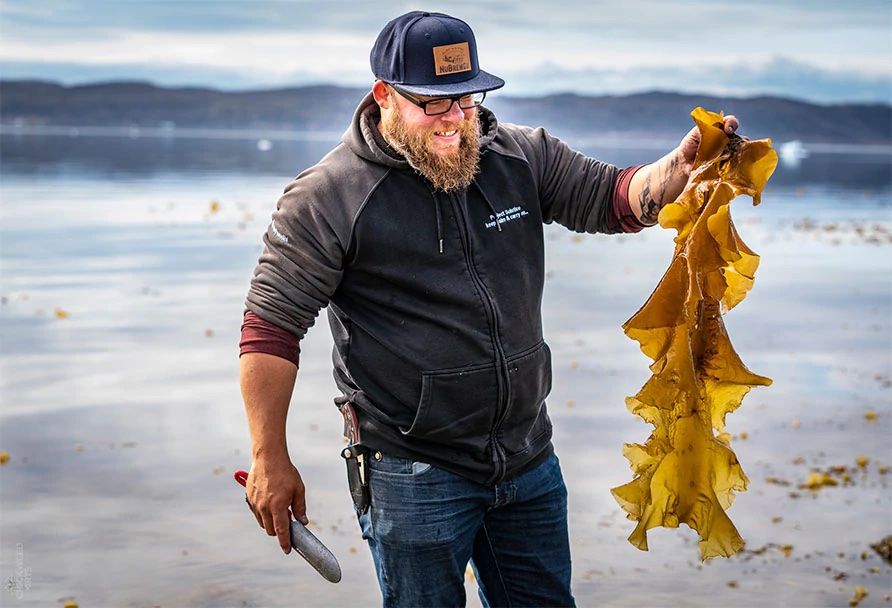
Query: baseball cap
(430, 54)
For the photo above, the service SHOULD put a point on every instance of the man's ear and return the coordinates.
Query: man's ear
(381, 94)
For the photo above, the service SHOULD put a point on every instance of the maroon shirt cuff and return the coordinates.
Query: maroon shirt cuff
(622, 210)
(259, 336)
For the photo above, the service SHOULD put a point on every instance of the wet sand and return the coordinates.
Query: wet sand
(123, 420)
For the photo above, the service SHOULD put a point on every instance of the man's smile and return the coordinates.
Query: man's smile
(449, 138)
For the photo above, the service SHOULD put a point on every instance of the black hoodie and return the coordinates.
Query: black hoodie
(434, 299)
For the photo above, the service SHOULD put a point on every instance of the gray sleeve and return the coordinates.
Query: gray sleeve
(576, 191)
(301, 264)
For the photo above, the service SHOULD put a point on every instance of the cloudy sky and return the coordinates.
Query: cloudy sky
(810, 49)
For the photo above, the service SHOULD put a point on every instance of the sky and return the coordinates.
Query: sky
(808, 49)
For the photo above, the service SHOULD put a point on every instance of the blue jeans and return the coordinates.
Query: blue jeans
(425, 524)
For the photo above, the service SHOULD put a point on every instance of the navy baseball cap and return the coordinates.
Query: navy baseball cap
(430, 54)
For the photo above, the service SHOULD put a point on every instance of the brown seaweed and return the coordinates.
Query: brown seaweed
(686, 471)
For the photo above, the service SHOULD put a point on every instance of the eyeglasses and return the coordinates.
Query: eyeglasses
(441, 105)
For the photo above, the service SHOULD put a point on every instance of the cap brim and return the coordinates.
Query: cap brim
(483, 81)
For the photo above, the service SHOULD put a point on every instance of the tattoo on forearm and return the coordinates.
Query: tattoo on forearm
(652, 196)
(650, 209)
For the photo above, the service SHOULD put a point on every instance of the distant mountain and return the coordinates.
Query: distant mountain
(635, 118)
(661, 114)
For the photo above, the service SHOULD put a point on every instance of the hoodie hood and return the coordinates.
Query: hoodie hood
(364, 139)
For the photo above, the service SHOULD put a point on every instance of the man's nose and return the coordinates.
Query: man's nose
(455, 112)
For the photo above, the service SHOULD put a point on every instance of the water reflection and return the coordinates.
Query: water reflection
(147, 157)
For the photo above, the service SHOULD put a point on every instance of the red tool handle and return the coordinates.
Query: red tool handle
(241, 477)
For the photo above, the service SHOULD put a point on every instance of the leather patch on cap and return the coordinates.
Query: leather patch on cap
(452, 59)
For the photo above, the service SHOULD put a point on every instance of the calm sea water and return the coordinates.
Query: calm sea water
(122, 297)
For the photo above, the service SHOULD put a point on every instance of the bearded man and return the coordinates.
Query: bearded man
(423, 234)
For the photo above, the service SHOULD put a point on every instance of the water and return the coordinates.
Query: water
(123, 420)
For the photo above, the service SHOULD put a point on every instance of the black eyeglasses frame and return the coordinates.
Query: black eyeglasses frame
(457, 98)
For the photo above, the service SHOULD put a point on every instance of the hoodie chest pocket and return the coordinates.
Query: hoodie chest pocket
(457, 407)
(527, 419)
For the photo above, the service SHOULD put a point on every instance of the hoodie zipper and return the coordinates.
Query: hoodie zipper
(503, 386)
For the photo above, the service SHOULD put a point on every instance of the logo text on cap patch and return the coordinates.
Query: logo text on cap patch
(452, 59)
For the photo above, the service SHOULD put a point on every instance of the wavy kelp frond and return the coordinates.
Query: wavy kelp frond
(686, 472)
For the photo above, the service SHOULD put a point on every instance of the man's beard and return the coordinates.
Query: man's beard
(449, 172)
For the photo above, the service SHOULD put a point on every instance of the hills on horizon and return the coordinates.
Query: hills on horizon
(655, 115)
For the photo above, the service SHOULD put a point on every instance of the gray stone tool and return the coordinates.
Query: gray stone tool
(317, 555)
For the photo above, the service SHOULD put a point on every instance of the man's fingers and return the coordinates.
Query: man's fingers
(689, 145)
(254, 511)
(276, 523)
(282, 528)
(299, 508)
(268, 523)
(731, 124)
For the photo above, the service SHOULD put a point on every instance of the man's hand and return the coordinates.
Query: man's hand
(660, 182)
(272, 489)
(689, 144)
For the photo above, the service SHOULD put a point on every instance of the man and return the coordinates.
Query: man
(423, 234)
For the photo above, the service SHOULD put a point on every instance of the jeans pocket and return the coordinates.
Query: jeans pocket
(396, 465)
